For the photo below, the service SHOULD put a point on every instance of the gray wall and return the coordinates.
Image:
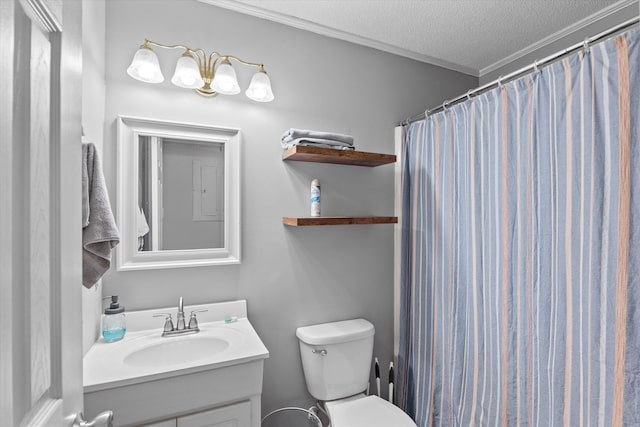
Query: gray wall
(289, 276)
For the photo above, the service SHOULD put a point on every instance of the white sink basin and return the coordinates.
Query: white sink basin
(176, 351)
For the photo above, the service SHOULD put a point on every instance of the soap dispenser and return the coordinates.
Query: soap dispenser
(113, 321)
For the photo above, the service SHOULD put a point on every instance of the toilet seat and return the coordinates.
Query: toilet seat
(366, 411)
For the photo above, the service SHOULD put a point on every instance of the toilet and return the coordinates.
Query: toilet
(336, 359)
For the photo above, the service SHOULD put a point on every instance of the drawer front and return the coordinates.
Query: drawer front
(236, 415)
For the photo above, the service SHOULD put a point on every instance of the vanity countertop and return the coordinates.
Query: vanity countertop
(144, 355)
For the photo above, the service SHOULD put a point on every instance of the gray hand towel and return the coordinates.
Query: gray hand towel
(100, 233)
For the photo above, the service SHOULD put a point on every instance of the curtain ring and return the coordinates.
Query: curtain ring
(469, 95)
(500, 82)
(427, 113)
(444, 105)
(535, 66)
(586, 45)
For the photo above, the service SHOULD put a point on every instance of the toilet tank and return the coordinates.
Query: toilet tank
(336, 357)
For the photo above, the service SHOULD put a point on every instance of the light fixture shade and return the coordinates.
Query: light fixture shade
(260, 88)
(145, 66)
(225, 80)
(187, 73)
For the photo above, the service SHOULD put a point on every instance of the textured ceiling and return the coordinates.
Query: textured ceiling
(471, 36)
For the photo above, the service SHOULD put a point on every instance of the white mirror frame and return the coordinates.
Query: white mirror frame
(127, 255)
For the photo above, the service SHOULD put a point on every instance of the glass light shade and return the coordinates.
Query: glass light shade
(145, 66)
(187, 73)
(225, 80)
(260, 88)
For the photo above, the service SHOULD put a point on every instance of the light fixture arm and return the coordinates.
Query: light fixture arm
(251, 64)
(148, 42)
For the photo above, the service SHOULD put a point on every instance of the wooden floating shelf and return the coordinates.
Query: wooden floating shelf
(306, 153)
(338, 220)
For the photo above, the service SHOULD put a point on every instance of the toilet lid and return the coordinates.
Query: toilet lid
(368, 411)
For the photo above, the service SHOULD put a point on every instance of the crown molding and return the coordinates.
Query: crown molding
(323, 30)
(589, 20)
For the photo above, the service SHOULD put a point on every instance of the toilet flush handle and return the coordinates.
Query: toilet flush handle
(321, 352)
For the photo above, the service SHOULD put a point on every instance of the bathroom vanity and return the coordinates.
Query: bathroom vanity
(213, 377)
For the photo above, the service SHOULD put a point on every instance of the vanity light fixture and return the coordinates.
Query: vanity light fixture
(208, 75)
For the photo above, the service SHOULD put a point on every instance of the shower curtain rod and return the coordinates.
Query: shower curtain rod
(518, 73)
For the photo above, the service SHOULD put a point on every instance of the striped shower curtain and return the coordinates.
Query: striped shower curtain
(520, 290)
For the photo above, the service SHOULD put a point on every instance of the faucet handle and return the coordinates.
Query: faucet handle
(193, 321)
(168, 322)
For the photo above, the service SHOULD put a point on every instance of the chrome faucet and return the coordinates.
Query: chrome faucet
(181, 328)
(180, 318)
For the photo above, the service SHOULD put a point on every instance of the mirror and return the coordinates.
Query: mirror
(178, 194)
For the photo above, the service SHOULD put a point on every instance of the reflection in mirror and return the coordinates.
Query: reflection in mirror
(180, 194)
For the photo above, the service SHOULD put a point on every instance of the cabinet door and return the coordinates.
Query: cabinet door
(237, 415)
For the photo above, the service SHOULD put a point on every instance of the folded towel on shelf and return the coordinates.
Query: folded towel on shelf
(317, 142)
(293, 134)
(99, 231)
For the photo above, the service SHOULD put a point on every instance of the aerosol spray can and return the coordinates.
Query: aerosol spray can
(315, 198)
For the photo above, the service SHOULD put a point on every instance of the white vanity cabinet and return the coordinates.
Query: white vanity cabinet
(236, 415)
(210, 398)
(212, 378)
